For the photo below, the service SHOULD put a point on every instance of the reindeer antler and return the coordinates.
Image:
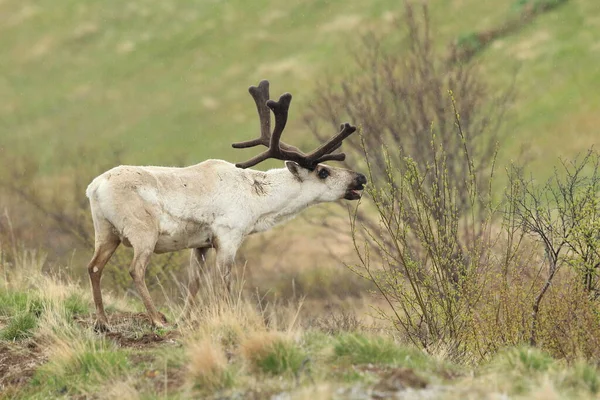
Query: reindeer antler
(278, 149)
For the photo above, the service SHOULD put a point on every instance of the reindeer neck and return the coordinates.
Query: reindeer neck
(282, 197)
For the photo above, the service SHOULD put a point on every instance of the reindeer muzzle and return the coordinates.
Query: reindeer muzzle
(354, 191)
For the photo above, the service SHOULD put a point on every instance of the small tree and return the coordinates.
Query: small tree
(429, 132)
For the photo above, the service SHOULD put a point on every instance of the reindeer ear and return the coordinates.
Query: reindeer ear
(294, 168)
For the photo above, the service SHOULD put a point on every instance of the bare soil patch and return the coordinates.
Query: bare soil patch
(399, 379)
(170, 380)
(18, 362)
(144, 341)
(133, 330)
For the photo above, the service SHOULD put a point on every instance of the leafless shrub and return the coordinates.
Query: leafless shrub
(564, 216)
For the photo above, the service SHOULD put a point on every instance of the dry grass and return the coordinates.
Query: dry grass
(207, 366)
(236, 346)
(257, 345)
(125, 390)
(273, 353)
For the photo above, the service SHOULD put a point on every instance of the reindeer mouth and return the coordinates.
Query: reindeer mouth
(354, 190)
(354, 193)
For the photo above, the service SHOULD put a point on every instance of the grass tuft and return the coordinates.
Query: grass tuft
(20, 327)
(523, 360)
(78, 366)
(207, 368)
(272, 353)
(24, 309)
(361, 349)
(75, 304)
(12, 303)
(584, 376)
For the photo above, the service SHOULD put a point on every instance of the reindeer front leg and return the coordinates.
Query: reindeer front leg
(143, 245)
(196, 268)
(227, 246)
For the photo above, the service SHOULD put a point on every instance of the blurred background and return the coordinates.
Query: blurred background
(85, 86)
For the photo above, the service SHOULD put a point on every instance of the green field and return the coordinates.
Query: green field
(165, 82)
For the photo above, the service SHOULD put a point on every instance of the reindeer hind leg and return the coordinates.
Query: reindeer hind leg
(143, 243)
(106, 243)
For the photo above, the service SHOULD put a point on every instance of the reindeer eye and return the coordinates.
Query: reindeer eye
(324, 173)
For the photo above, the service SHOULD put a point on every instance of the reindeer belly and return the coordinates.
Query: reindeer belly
(183, 235)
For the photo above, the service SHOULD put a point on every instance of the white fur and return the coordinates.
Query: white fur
(211, 204)
(207, 199)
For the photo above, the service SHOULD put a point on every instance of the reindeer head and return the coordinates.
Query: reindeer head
(326, 182)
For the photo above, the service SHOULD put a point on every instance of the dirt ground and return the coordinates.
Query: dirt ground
(19, 360)
(131, 330)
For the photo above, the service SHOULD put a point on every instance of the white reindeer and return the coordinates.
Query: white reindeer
(214, 204)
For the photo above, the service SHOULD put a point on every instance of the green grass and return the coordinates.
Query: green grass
(167, 84)
(523, 360)
(274, 354)
(75, 304)
(361, 349)
(585, 377)
(80, 363)
(12, 303)
(82, 371)
(555, 113)
(21, 326)
(281, 357)
(23, 310)
(524, 370)
(161, 82)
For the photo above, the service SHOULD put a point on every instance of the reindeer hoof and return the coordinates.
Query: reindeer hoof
(101, 326)
(160, 321)
(163, 318)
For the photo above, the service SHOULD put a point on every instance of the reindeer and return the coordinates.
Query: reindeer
(213, 204)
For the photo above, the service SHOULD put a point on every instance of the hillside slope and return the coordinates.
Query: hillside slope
(166, 82)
